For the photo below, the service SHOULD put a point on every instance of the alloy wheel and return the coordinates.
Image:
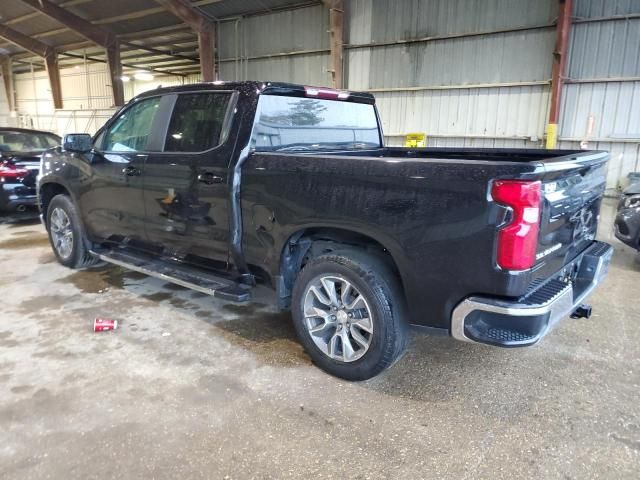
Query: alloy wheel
(61, 232)
(338, 318)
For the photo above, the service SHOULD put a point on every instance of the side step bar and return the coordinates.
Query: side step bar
(179, 274)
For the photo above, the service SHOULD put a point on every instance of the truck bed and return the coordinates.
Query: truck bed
(454, 153)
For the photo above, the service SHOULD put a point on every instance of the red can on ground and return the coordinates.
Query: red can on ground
(104, 324)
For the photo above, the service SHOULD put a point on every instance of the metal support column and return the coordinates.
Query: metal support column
(563, 29)
(336, 40)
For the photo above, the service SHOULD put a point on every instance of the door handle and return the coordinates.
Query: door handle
(131, 171)
(209, 178)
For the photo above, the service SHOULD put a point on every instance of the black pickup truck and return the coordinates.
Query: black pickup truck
(222, 186)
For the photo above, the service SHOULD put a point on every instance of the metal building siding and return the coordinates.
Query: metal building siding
(287, 31)
(395, 20)
(605, 8)
(605, 49)
(299, 30)
(490, 112)
(86, 93)
(615, 107)
(511, 112)
(310, 69)
(505, 57)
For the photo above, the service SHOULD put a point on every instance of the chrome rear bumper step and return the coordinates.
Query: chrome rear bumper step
(183, 275)
(524, 321)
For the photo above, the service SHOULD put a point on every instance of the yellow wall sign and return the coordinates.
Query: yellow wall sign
(415, 140)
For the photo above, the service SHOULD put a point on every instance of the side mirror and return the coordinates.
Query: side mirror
(77, 142)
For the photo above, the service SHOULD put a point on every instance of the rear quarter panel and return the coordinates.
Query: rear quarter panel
(432, 215)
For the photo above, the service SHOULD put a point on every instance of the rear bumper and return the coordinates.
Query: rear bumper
(524, 321)
(13, 196)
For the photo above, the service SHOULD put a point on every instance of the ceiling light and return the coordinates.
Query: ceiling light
(125, 78)
(143, 76)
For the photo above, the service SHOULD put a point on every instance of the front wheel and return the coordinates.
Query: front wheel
(66, 234)
(347, 312)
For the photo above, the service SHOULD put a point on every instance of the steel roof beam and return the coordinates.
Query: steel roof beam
(98, 35)
(5, 71)
(185, 11)
(41, 49)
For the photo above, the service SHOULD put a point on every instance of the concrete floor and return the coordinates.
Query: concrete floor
(192, 387)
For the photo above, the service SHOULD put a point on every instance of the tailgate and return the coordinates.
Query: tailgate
(572, 189)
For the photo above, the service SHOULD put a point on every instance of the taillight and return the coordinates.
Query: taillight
(326, 93)
(9, 169)
(517, 241)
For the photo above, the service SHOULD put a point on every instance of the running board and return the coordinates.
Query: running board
(179, 274)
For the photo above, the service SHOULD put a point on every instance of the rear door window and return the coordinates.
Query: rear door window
(197, 122)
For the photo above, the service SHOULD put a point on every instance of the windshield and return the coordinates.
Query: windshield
(27, 141)
(305, 124)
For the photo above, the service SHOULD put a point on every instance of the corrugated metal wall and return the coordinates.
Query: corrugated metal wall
(6, 117)
(604, 84)
(88, 100)
(288, 46)
(466, 72)
(456, 81)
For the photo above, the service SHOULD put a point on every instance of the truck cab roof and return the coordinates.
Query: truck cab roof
(256, 87)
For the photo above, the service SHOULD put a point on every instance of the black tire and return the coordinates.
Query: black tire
(380, 288)
(79, 256)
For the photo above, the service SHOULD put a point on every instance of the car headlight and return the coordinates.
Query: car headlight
(632, 201)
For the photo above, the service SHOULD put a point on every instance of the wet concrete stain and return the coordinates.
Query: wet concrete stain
(98, 280)
(9, 279)
(42, 402)
(38, 240)
(45, 258)
(158, 296)
(174, 287)
(8, 343)
(164, 296)
(217, 388)
(629, 442)
(25, 233)
(40, 303)
(269, 335)
(73, 378)
(20, 220)
(261, 326)
(21, 388)
(249, 309)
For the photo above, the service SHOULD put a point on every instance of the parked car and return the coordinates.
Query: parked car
(218, 187)
(20, 152)
(627, 223)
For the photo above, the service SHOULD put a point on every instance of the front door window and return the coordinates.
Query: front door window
(132, 129)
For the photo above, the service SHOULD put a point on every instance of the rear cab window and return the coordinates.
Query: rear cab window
(305, 124)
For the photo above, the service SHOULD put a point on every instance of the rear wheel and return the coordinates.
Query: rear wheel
(66, 234)
(347, 310)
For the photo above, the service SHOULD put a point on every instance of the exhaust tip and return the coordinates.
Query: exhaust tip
(582, 311)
